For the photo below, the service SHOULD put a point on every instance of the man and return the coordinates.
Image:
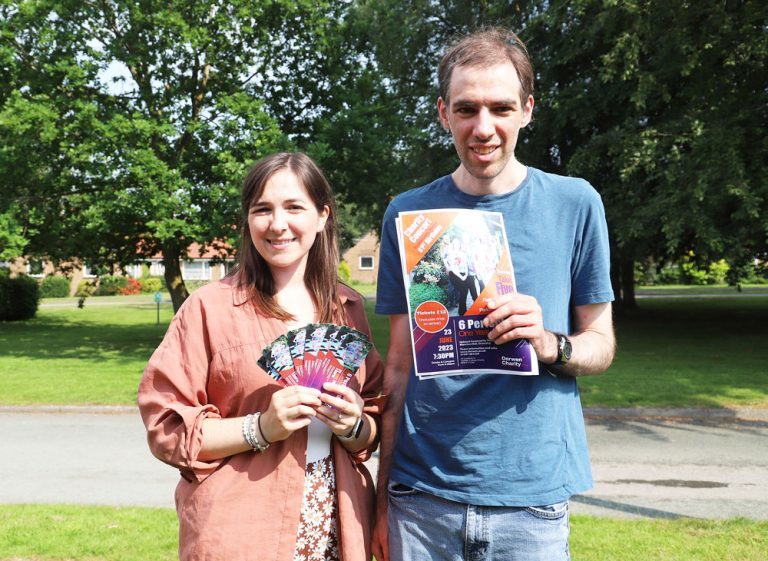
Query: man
(482, 466)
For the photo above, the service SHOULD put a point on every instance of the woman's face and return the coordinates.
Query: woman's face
(284, 222)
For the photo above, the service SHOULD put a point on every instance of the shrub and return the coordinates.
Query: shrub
(132, 286)
(85, 288)
(54, 286)
(669, 274)
(19, 298)
(150, 285)
(345, 273)
(110, 285)
(193, 285)
(423, 292)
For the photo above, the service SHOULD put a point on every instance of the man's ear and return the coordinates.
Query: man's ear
(442, 113)
(528, 110)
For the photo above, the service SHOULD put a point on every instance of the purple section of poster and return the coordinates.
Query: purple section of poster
(464, 346)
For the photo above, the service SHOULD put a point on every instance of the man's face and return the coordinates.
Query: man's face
(484, 113)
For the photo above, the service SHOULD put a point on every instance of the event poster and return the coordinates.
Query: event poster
(454, 261)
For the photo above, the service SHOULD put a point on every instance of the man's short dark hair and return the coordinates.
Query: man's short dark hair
(484, 48)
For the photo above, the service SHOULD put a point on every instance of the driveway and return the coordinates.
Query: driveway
(643, 467)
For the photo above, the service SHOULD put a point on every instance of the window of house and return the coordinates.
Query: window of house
(366, 262)
(134, 270)
(156, 269)
(35, 267)
(88, 271)
(196, 270)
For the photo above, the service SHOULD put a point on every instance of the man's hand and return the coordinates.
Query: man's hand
(380, 540)
(517, 316)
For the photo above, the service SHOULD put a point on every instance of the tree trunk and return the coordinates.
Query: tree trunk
(628, 284)
(173, 280)
(616, 282)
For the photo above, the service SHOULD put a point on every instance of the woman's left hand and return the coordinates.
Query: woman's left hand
(347, 408)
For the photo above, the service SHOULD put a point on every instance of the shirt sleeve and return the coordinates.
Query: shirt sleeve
(390, 289)
(591, 265)
(172, 394)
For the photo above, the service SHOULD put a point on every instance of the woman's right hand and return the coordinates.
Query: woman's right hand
(289, 410)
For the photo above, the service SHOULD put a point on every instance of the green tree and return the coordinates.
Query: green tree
(656, 104)
(147, 118)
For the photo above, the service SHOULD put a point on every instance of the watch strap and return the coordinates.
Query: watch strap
(357, 428)
(563, 349)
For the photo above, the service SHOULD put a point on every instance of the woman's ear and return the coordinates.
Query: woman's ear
(324, 214)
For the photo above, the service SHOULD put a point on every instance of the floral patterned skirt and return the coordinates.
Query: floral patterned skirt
(317, 538)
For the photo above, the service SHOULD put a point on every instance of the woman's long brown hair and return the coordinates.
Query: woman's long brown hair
(321, 275)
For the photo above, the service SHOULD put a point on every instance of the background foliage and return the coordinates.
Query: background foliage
(126, 127)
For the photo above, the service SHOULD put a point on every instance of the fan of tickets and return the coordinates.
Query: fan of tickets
(315, 354)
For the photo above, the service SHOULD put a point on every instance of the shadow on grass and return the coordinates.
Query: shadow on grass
(687, 352)
(58, 336)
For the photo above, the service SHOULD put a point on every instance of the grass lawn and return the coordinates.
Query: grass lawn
(678, 352)
(681, 351)
(65, 532)
(687, 352)
(67, 355)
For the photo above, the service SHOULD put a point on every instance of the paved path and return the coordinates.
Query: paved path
(643, 467)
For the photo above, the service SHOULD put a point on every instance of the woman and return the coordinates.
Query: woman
(267, 472)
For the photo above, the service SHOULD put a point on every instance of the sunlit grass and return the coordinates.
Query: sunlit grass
(88, 533)
(67, 355)
(673, 352)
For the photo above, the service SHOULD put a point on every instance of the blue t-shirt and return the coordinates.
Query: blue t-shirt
(495, 439)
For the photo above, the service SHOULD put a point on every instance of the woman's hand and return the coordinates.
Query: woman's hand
(346, 410)
(289, 410)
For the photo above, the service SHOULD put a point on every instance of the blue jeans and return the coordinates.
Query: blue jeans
(423, 527)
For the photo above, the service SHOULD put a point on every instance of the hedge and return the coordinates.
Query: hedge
(19, 297)
(54, 286)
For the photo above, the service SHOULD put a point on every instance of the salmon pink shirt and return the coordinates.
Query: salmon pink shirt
(245, 507)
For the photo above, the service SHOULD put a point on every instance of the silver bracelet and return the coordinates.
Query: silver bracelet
(258, 435)
(250, 433)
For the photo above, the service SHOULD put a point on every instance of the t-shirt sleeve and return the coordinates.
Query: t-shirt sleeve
(591, 266)
(390, 289)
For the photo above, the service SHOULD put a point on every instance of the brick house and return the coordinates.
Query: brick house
(197, 267)
(363, 258)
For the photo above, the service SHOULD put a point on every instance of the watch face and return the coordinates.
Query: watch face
(564, 349)
(567, 349)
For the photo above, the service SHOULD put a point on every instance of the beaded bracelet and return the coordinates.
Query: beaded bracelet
(250, 434)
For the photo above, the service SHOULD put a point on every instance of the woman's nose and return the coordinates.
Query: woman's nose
(278, 222)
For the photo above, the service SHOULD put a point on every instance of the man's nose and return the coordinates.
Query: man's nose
(484, 127)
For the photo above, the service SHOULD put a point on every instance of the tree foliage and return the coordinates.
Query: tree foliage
(657, 104)
(127, 126)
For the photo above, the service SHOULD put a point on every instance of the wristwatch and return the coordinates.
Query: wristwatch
(564, 349)
(355, 432)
